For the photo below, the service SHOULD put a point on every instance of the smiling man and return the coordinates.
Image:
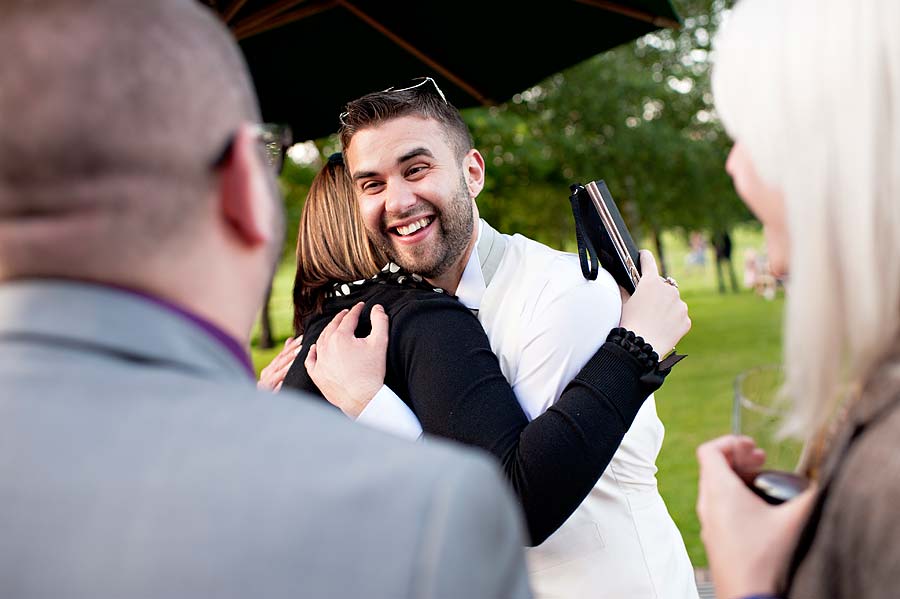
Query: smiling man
(427, 237)
(417, 175)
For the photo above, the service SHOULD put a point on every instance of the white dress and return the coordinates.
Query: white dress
(544, 321)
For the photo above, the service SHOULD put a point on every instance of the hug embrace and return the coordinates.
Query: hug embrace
(493, 340)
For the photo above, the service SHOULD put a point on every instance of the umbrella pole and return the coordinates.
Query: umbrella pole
(443, 71)
(633, 13)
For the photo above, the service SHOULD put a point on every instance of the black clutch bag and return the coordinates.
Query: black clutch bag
(603, 239)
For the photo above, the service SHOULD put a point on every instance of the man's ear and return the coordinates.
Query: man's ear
(473, 164)
(244, 191)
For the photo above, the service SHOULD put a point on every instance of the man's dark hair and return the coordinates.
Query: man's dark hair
(422, 101)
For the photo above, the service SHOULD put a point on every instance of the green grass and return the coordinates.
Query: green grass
(281, 310)
(730, 333)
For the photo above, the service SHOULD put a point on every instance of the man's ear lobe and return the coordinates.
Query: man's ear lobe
(243, 190)
(474, 170)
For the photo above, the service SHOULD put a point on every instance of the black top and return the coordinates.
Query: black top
(440, 363)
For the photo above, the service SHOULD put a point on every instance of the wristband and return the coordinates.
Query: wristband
(636, 346)
(654, 370)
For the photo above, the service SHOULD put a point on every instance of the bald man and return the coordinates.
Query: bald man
(139, 227)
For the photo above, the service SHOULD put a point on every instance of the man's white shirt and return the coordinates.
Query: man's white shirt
(544, 321)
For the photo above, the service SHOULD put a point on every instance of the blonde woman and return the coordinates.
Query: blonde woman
(810, 92)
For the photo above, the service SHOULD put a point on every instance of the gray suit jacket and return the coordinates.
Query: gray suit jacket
(137, 459)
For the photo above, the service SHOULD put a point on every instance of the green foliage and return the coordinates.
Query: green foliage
(294, 181)
(639, 117)
(281, 308)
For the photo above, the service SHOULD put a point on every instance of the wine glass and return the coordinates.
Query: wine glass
(758, 412)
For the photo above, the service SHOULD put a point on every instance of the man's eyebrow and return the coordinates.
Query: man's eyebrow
(414, 153)
(363, 175)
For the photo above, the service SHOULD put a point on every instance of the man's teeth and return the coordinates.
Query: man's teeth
(412, 227)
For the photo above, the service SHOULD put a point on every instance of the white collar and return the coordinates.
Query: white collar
(471, 286)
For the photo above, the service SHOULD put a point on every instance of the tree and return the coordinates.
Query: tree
(640, 117)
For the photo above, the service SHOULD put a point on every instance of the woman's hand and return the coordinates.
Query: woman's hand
(655, 311)
(272, 376)
(748, 542)
(347, 370)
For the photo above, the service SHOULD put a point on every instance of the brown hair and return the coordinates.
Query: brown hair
(332, 245)
(423, 101)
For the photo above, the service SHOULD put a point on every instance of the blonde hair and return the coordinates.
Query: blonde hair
(332, 245)
(811, 89)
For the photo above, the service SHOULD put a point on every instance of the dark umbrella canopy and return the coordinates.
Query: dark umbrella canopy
(309, 57)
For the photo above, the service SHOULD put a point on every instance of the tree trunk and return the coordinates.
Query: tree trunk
(265, 324)
(660, 257)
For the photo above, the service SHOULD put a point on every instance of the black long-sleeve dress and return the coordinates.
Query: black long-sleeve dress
(440, 363)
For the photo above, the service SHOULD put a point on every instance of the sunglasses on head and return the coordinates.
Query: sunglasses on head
(419, 82)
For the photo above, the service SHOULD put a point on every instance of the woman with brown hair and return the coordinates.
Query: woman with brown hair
(331, 242)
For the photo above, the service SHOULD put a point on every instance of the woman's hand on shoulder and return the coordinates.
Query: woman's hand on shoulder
(656, 311)
(348, 370)
(272, 376)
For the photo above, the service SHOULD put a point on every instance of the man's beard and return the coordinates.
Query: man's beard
(441, 253)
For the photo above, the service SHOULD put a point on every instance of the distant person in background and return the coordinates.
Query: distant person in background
(766, 280)
(757, 276)
(696, 258)
(808, 90)
(139, 228)
(722, 245)
(751, 269)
